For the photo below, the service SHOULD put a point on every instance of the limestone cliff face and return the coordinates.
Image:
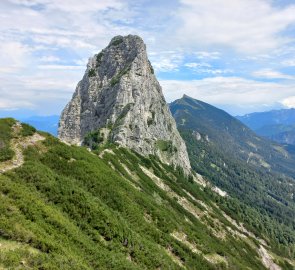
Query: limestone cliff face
(120, 95)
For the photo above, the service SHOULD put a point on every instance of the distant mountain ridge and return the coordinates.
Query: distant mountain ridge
(277, 125)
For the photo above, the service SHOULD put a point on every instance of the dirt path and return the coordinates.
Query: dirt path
(17, 145)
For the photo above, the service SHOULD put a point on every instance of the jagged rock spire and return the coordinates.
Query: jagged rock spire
(120, 95)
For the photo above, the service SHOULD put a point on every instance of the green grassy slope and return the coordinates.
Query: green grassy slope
(6, 152)
(68, 208)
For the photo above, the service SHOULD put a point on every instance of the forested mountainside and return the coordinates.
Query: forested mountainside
(277, 125)
(65, 207)
(232, 137)
(251, 169)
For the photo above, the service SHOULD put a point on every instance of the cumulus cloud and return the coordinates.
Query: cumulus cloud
(81, 6)
(206, 68)
(61, 67)
(197, 65)
(289, 102)
(7, 104)
(249, 26)
(68, 24)
(49, 58)
(166, 61)
(207, 55)
(46, 90)
(271, 74)
(13, 56)
(289, 63)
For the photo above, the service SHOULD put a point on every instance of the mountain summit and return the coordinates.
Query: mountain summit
(120, 96)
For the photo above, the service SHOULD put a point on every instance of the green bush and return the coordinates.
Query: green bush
(166, 146)
(6, 134)
(117, 77)
(123, 114)
(99, 59)
(91, 72)
(150, 121)
(27, 130)
(6, 154)
(116, 42)
(93, 140)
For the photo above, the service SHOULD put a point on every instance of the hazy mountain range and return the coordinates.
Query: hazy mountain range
(278, 125)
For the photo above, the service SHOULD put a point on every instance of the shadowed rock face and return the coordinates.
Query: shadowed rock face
(120, 93)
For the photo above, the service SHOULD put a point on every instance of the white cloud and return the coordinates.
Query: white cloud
(49, 58)
(13, 56)
(70, 5)
(165, 65)
(249, 26)
(77, 6)
(61, 67)
(166, 61)
(46, 90)
(271, 74)
(289, 63)
(215, 71)
(206, 68)
(6, 104)
(63, 41)
(207, 55)
(71, 24)
(197, 65)
(289, 102)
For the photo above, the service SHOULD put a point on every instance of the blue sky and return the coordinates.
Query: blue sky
(238, 55)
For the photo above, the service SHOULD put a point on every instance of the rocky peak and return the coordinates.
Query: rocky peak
(120, 96)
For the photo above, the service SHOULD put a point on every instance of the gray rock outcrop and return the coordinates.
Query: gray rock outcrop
(120, 95)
